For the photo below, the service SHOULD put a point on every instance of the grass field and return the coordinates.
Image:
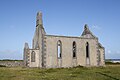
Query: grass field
(78, 73)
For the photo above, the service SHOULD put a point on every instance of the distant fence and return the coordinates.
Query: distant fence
(11, 63)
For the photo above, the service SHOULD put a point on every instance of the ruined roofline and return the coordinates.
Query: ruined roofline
(100, 45)
(86, 32)
(81, 37)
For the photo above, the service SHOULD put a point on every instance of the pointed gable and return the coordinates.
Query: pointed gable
(87, 33)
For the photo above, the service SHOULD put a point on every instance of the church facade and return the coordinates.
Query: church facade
(53, 51)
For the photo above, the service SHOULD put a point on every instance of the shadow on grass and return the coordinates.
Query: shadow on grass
(107, 75)
(2, 66)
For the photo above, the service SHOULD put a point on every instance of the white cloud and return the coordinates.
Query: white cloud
(8, 51)
(109, 51)
(118, 52)
(110, 54)
(96, 27)
(10, 54)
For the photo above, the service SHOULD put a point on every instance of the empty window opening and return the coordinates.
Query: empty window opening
(74, 49)
(59, 49)
(99, 58)
(33, 56)
(87, 50)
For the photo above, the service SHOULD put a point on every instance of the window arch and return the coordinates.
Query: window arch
(87, 50)
(33, 56)
(87, 54)
(74, 49)
(59, 49)
(99, 58)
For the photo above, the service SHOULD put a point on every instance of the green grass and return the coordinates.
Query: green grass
(78, 73)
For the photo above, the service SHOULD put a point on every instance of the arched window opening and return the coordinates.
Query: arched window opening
(74, 49)
(87, 54)
(99, 58)
(33, 56)
(87, 50)
(59, 49)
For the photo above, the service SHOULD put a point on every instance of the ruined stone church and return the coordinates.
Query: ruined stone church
(54, 51)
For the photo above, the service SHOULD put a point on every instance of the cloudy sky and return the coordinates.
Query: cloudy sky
(60, 17)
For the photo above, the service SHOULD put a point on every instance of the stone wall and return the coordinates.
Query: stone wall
(12, 63)
(67, 59)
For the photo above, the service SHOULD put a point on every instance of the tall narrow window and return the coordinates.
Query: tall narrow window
(74, 49)
(59, 49)
(99, 58)
(87, 54)
(87, 50)
(33, 56)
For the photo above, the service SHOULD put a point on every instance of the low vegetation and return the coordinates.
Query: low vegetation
(2, 66)
(111, 63)
(78, 73)
(10, 60)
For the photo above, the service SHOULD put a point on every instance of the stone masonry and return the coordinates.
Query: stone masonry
(53, 51)
(12, 63)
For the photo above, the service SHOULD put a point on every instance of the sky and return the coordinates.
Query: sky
(60, 17)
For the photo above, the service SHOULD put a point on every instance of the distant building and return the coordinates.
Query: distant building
(53, 51)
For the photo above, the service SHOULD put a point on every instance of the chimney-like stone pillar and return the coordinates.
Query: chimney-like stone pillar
(39, 19)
